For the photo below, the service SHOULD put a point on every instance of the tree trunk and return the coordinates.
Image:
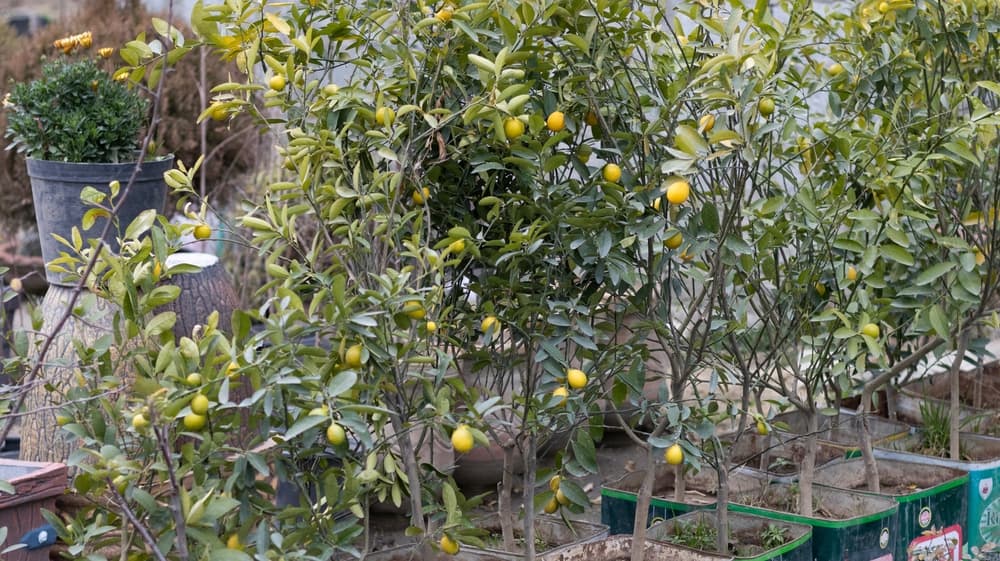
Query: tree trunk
(530, 464)
(202, 293)
(722, 510)
(412, 469)
(867, 454)
(955, 411)
(506, 497)
(41, 438)
(642, 501)
(808, 466)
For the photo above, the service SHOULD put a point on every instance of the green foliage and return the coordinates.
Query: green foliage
(75, 112)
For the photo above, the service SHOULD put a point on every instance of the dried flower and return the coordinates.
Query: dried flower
(105, 52)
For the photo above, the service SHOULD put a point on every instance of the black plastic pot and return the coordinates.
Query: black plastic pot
(56, 188)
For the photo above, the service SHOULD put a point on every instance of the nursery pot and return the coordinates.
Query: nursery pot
(619, 548)
(556, 535)
(36, 486)
(619, 499)
(981, 460)
(746, 533)
(932, 500)
(56, 188)
(846, 525)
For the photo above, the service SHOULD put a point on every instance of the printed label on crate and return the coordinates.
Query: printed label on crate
(984, 508)
(945, 545)
(924, 518)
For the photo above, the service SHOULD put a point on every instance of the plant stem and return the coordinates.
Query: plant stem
(409, 457)
(955, 411)
(530, 463)
(505, 499)
(808, 465)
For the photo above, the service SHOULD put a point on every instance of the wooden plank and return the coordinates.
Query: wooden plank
(44, 481)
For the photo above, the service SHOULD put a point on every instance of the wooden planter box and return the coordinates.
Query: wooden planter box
(36, 487)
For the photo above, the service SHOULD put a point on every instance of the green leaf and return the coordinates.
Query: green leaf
(898, 254)
(304, 424)
(584, 451)
(6, 487)
(226, 554)
(342, 382)
(163, 321)
(933, 273)
(938, 321)
(574, 492)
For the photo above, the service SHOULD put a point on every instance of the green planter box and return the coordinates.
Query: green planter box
(841, 431)
(982, 526)
(931, 498)
(797, 545)
(854, 526)
(618, 499)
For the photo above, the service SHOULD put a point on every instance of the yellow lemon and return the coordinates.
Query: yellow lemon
(554, 483)
(202, 232)
(561, 498)
(277, 82)
(449, 545)
(16, 284)
(820, 289)
(335, 434)
(883, 7)
(576, 378)
(385, 116)
(199, 404)
(678, 190)
(219, 112)
(414, 310)
(561, 392)
(193, 379)
(707, 122)
(556, 121)
(233, 542)
(513, 128)
(674, 455)
(194, 421)
(331, 89)
(871, 330)
(852, 274)
(432, 326)
(835, 69)
(488, 323)
(551, 506)
(462, 440)
(766, 106)
(980, 257)
(352, 358)
(674, 241)
(320, 411)
(457, 246)
(444, 14)
(233, 370)
(591, 118)
(656, 204)
(612, 173)
(139, 421)
(761, 427)
(420, 196)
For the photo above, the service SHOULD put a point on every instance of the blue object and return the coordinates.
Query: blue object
(42, 536)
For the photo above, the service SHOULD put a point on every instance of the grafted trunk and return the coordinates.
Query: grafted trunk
(41, 438)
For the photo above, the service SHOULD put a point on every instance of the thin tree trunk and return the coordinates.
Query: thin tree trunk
(867, 454)
(722, 510)
(642, 502)
(808, 466)
(955, 411)
(530, 464)
(411, 467)
(506, 497)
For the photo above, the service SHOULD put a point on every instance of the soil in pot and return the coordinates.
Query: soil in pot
(551, 534)
(750, 537)
(619, 548)
(847, 525)
(777, 455)
(927, 401)
(618, 499)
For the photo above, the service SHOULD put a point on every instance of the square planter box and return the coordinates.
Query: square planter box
(982, 525)
(618, 499)
(36, 486)
(619, 548)
(931, 498)
(847, 525)
(549, 529)
(745, 529)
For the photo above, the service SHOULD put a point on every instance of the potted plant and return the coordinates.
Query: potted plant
(79, 128)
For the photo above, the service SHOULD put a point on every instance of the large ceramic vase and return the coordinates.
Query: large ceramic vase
(56, 189)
